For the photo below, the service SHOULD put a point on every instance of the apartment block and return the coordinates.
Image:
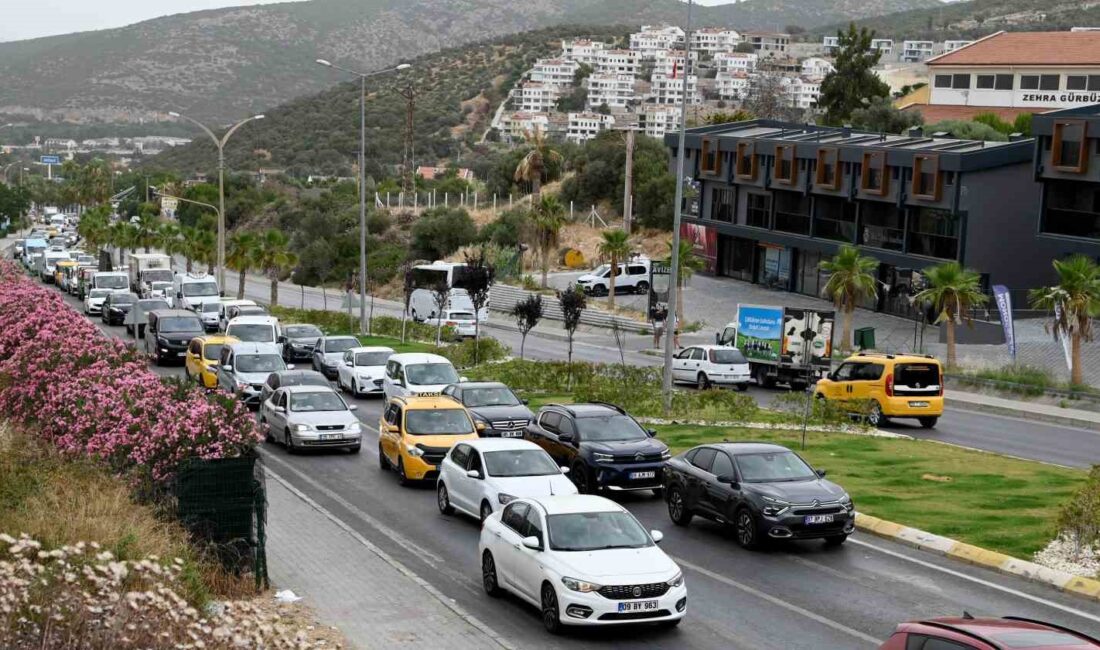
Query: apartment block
(582, 50)
(656, 121)
(816, 67)
(617, 62)
(585, 126)
(731, 85)
(735, 61)
(556, 72)
(714, 39)
(917, 51)
(769, 43)
(653, 39)
(537, 97)
(615, 90)
(666, 90)
(670, 62)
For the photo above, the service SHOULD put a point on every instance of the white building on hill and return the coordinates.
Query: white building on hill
(816, 67)
(582, 50)
(556, 72)
(653, 39)
(615, 90)
(538, 97)
(520, 124)
(802, 92)
(656, 121)
(585, 126)
(735, 61)
(731, 85)
(714, 40)
(617, 62)
(669, 62)
(667, 90)
(917, 51)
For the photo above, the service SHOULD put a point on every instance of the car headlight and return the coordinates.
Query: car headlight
(504, 498)
(846, 501)
(582, 586)
(676, 580)
(666, 454)
(365, 378)
(602, 458)
(302, 427)
(774, 506)
(415, 452)
(353, 428)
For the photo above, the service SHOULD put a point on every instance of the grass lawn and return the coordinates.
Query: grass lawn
(396, 344)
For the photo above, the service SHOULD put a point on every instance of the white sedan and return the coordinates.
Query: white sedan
(582, 560)
(710, 366)
(362, 369)
(481, 476)
(93, 302)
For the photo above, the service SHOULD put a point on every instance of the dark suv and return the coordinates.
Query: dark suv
(765, 491)
(603, 447)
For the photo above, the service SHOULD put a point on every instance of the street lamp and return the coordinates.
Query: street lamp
(363, 178)
(220, 144)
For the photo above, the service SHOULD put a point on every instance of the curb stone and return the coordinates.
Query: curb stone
(1061, 580)
(1021, 413)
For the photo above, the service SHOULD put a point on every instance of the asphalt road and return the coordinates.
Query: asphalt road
(795, 596)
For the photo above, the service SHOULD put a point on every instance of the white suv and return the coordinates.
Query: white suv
(633, 277)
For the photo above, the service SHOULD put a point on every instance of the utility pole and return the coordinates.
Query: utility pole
(407, 183)
(628, 192)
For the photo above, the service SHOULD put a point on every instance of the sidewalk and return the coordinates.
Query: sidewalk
(372, 598)
(1023, 409)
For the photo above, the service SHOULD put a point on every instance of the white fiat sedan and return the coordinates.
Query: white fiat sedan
(582, 560)
(481, 476)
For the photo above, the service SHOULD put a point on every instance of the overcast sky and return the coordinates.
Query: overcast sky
(20, 19)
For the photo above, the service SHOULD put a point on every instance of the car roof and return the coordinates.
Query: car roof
(711, 346)
(218, 339)
(576, 503)
(308, 389)
(367, 348)
(300, 372)
(907, 358)
(501, 444)
(748, 447)
(998, 632)
(418, 357)
(286, 325)
(481, 384)
(590, 410)
(330, 337)
(429, 402)
(253, 320)
(232, 302)
(166, 313)
(248, 347)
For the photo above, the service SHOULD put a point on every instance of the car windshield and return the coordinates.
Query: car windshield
(601, 270)
(607, 428)
(259, 363)
(426, 374)
(200, 289)
(777, 466)
(123, 299)
(594, 531)
(492, 396)
(303, 332)
(160, 286)
(305, 402)
(179, 324)
(212, 351)
(340, 345)
(303, 379)
(727, 356)
(150, 305)
(371, 358)
(99, 293)
(251, 333)
(251, 310)
(460, 315)
(429, 422)
(520, 462)
(112, 282)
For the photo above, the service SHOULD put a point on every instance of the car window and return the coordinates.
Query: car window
(722, 465)
(610, 428)
(370, 358)
(703, 458)
(916, 375)
(195, 347)
(460, 454)
(212, 351)
(532, 526)
(845, 371)
(520, 462)
(438, 422)
(550, 421)
(773, 466)
(868, 372)
(636, 269)
(566, 426)
(514, 515)
(272, 381)
(475, 462)
(689, 455)
(922, 642)
(728, 355)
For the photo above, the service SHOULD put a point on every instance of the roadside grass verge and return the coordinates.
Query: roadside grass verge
(1020, 380)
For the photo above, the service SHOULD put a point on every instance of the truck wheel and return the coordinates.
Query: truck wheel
(762, 378)
(798, 386)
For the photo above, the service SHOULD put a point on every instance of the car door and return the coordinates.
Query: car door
(680, 363)
(638, 277)
(343, 372)
(866, 382)
(270, 385)
(541, 430)
(719, 494)
(319, 354)
(839, 382)
(565, 450)
(280, 414)
(696, 482)
(393, 438)
(225, 374)
(511, 541)
(452, 472)
(528, 569)
(193, 362)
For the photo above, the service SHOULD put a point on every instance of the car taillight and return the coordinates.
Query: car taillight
(451, 323)
(890, 385)
(941, 383)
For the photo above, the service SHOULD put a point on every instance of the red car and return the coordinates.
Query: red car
(969, 633)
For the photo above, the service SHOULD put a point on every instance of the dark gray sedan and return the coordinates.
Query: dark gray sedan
(504, 414)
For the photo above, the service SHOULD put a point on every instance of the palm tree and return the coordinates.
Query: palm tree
(202, 247)
(549, 217)
(242, 250)
(689, 264)
(122, 236)
(274, 259)
(952, 290)
(147, 230)
(532, 167)
(169, 238)
(851, 281)
(1075, 300)
(94, 228)
(615, 245)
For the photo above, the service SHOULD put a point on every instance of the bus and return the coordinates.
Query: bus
(423, 278)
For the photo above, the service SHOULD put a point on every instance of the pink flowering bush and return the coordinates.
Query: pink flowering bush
(96, 396)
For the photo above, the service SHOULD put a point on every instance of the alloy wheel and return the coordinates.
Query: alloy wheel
(551, 619)
(677, 509)
(489, 574)
(746, 529)
(443, 499)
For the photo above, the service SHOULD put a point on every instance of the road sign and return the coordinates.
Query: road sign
(50, 160)
(168, 204)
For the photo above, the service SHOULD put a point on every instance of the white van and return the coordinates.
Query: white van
(192, 290)
(255, 329)
(416, 373)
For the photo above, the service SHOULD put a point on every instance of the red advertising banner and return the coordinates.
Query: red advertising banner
(704, 243)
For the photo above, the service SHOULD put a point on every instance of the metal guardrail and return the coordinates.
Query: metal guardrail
(504, 297)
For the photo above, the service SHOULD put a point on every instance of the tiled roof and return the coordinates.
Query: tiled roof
(1027, 48)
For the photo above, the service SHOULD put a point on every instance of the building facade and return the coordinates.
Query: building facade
(671, 62)
(670, 91)
(816, 67)
(521, 124)
(917, 51)
(615, 90)
(582, 50)
(1067, 170)
(538, 97)
(585, 126)
(653, 39)
(735, 61)
(769, 43)
(714, 39)
(883, 45)
(556, 72)
(656, 121)
(617, 62)
(731, 85)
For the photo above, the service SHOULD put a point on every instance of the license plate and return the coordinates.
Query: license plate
(511, 434)
(331, 436)
(819, 519)
(919, 405)
(640, 475)
(640, 606)
(179, 354)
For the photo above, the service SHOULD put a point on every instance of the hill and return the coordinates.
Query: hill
(225, 63)
(976, 18)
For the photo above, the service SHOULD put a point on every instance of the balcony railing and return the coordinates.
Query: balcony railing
(835, 229)
(940, 246)
(792, 222)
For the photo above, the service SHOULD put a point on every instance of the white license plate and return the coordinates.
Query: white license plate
(919, 405)
(819, 519)
(640, 606)
(331, 436)
(634, 476)
(180, 354)
(511, 434)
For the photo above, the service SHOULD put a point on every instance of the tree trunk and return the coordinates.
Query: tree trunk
(679, 303)
(210, 269)
(274, 290)
(611, 283)
(536, 190)
(950, 342)
(187, 264)
(324, 301)
(522, 343)
(545, 265)
(846, 333)
(570, 360)
(241, 274)
(1077, 372)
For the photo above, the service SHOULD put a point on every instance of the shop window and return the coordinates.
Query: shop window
(746, 165)
(786, 166)
(926, 177)
(758, 210)
(1068, 152)
(722, 206)
(1029, 82)
(874, 179)
(1048, 82)
(993, 82)
(984, 82)
(828, 174)
(711, 158)
(960, 81)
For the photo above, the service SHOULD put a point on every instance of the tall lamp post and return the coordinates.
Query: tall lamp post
(362, 178)
(220, 144)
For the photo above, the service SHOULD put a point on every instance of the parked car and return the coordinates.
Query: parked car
(116, 306)
(887, 386)
(480, 477)
(710, 366)
(603, 447)
(461, 322)
(969, 633)
(494, 404)
(329, 351)
(582, 560)
(93, 301)
(632, 277)
(416, 433)
(310, 417)
(139, 314)
(284, 378)
(254, 329)
(299, 340)
(361, 370)
(418, 373)
(203, 355)
(168, 332)
(160, 289)
(244, 367)
(766, 492)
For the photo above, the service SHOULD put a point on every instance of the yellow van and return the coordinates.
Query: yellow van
(889, 385)
(201, 362)
(416, 433)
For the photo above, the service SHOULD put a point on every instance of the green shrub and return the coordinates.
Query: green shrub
(462, 354)
(1080, 516)
(793, 407)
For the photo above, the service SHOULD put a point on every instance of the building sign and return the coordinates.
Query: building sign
(704, 243)
(659, 279)
(50, 160)
(168, 205)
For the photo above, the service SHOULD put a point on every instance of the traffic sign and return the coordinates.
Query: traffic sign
(168, 204)
(50, 160)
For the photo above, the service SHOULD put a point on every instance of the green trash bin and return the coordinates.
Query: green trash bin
(865, 338)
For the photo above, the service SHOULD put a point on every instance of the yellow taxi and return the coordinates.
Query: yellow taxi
(415, 434)
(200, 364)
(60, 271)
(887, 386)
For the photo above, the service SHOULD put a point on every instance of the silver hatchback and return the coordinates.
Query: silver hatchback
(310, 417)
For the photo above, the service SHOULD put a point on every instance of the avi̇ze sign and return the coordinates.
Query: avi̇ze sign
(704, 243)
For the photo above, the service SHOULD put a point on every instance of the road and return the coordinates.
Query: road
(795, 596)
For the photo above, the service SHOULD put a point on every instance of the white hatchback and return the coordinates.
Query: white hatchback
(708, 366)
(482, 476)
(361, 370)
(582, 560)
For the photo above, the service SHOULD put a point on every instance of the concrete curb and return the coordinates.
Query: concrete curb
(1023, 413)
(1060, 580)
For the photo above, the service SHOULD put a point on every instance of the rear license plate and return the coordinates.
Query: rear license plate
(819, 519)
(179, 354)
(640, 606)
(331, 436)
(511, 434)
(919, 405)
(634, 476)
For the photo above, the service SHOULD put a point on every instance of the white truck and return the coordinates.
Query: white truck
(782, 344)
(193, 290)
(147, 268)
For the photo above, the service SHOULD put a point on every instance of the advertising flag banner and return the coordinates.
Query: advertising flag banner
(1004, 305)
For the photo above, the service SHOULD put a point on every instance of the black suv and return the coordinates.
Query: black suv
(765, 491)
(494, 404)
(603, 447)
(116, 306)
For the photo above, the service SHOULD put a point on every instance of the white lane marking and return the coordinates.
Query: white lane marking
(976, 580)
(779, 602)
(396, 565)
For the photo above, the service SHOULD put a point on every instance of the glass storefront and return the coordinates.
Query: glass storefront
(775, 267)
(882, 225)
(736, 257)
(934, 233)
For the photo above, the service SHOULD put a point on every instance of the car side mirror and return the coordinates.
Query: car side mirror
(565, 437)
(822, 473)
(652, 433)
(480, 426)
(353, 407)
(280, 408)
(532, 543)
(473, 473)
(228, 368)
(657, 536)
(393, 428)
(717, 338)
(525, 401)
(349, 364)
(564, 470)
(463, 379)
(282, 339)
(728, 479)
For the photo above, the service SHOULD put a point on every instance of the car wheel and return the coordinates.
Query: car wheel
(489, 575)
(551, 618)
(928, 422)
(599, 290)
(383, 462)
(288, 440)
(702, 382)
(678, 511)
(746, 530)
(486, 511)
(875, 417)
(402, 477)
(742, 387)
(443, 500)
(354, 389)
(835, 540)
(579, 474)
(642, 288)
(355, 449)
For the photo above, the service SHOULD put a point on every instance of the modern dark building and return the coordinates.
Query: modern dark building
(776, 198)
